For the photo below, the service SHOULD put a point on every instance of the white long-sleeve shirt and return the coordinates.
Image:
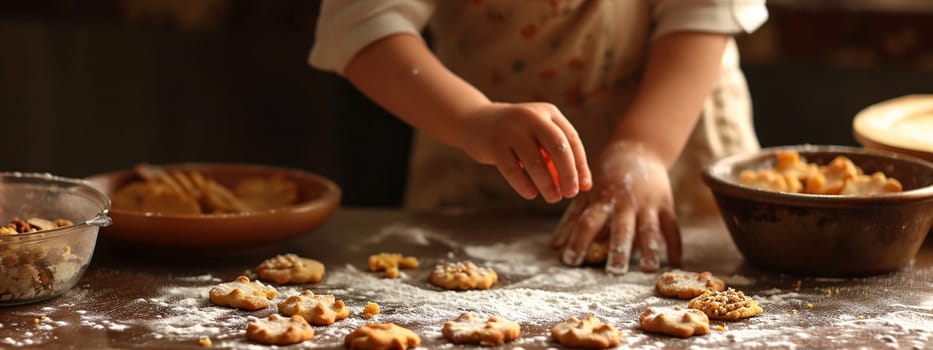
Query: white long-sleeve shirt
(347, 26)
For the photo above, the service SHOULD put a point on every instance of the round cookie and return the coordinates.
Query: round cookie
(676, 321)
(290, 269)
(242, 294)
(277, 330)
(586, 333)
(725, 305)
(319, 310)
(463, 276)
(381, 336)
(470, 329)
(687, 285)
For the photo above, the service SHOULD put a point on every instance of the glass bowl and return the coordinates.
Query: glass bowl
(43, 264)
(826, 235)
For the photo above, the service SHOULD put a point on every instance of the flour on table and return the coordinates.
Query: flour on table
(200, 278)
(413, 235)
(535, 290)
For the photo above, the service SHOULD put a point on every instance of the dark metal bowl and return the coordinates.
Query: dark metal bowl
(826, 235)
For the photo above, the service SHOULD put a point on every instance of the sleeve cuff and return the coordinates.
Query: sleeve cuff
(728, 17)
(338, 39)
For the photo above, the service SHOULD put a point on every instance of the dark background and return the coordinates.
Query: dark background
(94, 86)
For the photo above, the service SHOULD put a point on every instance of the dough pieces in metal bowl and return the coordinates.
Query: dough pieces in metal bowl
(470, 329)
(277, 330)
(586, 333)
(242, 294)
(463, 276)
(687, 285)
(381, 336)
(290, 269)
(319, 310)
(676, 321)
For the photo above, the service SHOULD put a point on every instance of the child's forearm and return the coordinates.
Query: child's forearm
(680, 70)
(401, 74)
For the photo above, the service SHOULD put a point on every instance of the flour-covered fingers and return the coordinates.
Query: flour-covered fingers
(621, 235)
(591, 221)
(648, 233)
(566, 225)
(670, 230)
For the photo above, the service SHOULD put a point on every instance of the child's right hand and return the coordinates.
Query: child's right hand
(533, 145)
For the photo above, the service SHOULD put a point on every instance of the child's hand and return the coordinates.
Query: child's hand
(532, 144)
(632, 196)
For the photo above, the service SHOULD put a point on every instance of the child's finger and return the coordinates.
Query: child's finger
(509, 166)
(621, 238)
(567, 222)
(590, 222)
(537, 170)
(557, 155)
(671, 232)
(575, 147)
(649, 236)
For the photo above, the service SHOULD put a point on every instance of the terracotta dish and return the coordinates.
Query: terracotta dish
(826, 235)
(903, 125)
(318, 198)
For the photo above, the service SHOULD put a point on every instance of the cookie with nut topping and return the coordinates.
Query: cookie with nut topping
(381, 336)
(463, 276)
(242, 294)
(278, 330)
(319, 310)
(589, 332)
(675, 321)
(290, 269)
(725, 305)
(469, 328)
(686, 284)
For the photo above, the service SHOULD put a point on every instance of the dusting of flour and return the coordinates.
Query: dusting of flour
(534, 289)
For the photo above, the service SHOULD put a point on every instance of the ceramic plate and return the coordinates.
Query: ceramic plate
(318, 198)
(902, 125)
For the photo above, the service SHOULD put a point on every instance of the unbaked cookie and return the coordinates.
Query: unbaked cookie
(687, 285)
(725, 305)
(319, 310)
(390, 263)
(586, 333)
(597, 253)
(463, 276)
(675, 321)
(290, 269)
(470, 329)
(277, 330)
(242, 294)
(381, 336)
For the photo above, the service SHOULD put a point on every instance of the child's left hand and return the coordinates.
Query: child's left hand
(632, 196)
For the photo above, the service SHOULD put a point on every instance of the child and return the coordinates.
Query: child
(516, 93)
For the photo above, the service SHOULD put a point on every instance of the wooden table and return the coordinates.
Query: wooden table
(135, 297)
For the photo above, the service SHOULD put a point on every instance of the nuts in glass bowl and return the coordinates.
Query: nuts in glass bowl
(47, 234)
